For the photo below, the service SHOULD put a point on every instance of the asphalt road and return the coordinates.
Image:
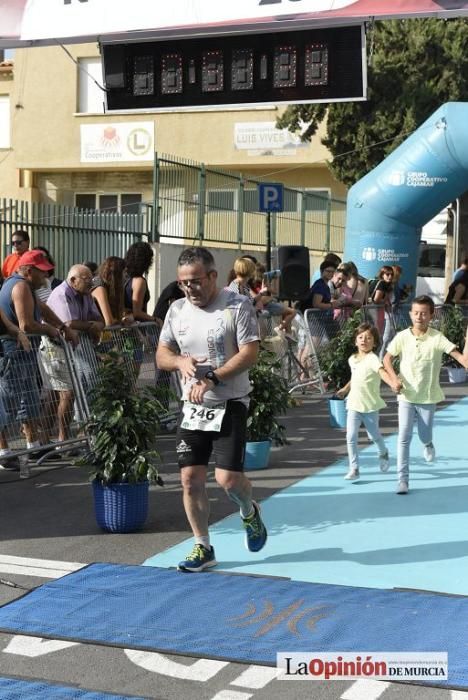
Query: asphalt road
(47, 527)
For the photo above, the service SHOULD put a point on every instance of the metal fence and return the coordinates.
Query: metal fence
(193, 203)
(72, 235)
(298, 360)
(45, 389)
(322, 326)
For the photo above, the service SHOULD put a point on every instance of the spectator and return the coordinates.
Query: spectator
(232, 275)
(19, 388)
(332, 258)
(268, 304)
(50, 281)
(108, 291)
(138, 260)
(319, 295)
(169, 294)
(23, 342)
(400, 292)
(71, 301)
(357, 284)
(382, 297)
(244, 269)
(20, 244)
(458, 290)
(459, 271)
(342, 293)
(92, 267)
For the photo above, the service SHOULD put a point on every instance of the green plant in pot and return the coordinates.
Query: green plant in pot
(121, 430)
(453, 326)
(269, 399)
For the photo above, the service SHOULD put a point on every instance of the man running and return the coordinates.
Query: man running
(211, 337)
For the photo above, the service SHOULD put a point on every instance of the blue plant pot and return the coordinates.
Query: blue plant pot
(121, 507)
(337, 412)
(257, 455)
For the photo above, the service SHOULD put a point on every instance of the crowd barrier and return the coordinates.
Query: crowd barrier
(298, 360)
(322, 327)
(51, 382)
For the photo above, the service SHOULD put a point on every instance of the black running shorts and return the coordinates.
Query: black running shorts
(194, 447)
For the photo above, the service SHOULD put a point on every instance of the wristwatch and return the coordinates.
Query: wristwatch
(212, 377)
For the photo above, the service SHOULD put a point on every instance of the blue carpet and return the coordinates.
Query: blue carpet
(238, 618)
(324, 529)
(15, 689)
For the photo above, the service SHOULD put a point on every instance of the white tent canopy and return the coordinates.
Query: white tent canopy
(35, 22)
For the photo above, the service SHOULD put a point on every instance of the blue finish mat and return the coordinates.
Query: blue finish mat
(15, 689)
(238, 618)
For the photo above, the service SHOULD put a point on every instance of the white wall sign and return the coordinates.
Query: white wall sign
(262, 138)
(116, 143)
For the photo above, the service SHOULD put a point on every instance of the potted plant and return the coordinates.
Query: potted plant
(453, 326)
(333, 362)
(121, 430)
(269, 399)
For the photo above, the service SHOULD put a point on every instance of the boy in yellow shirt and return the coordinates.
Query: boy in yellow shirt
(420, 349)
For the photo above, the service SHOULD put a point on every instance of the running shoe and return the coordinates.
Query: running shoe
(255, 531)
(352, 475)
(403, 488)
(429, 452)
(384, 463)
(200, 558)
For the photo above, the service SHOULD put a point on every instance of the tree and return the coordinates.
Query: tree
(415, 66)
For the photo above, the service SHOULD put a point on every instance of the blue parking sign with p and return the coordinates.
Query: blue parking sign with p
(270, 196)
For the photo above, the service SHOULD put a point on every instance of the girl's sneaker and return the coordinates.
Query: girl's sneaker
(384, 462)
(352, 475)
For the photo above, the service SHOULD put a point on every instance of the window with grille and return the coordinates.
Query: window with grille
(129, 203)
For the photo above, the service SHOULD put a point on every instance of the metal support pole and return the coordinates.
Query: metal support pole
(268, 241)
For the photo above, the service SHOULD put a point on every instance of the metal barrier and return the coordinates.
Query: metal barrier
(299, 364)
(136, 345)
(44, 391)
(30, 406)
(321, 327)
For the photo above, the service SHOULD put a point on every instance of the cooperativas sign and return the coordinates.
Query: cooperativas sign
(45, 21)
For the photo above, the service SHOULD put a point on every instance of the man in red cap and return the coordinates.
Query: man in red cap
(19, 389)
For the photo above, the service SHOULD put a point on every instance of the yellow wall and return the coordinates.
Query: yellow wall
(46, 138)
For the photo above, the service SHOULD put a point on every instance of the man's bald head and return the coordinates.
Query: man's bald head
(80, 278)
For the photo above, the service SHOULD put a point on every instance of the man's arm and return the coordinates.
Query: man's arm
(244, 359)
(23, 302)
(15, 332)
(51, 317)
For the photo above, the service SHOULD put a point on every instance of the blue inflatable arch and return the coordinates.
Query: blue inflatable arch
(387, 208)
